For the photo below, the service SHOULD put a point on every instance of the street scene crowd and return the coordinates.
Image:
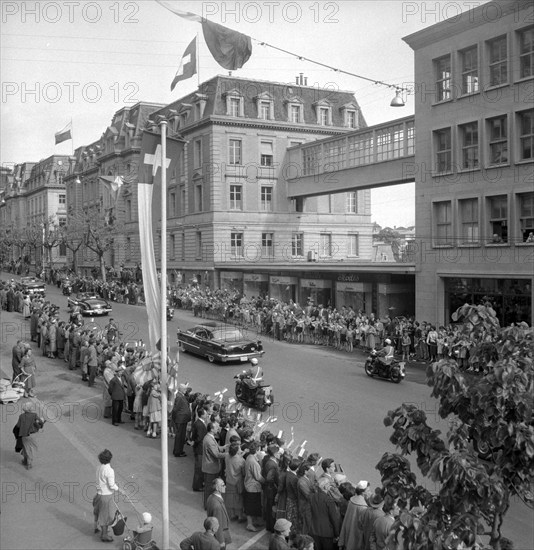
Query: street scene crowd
(246, 473)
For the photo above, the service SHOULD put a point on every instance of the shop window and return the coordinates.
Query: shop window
(469, 145)
(469, 221)
(498, 61)
(526, 216)
(469, 61)
(236, 245)
(234, 151)
(443, 78)
(526, 53)
(498, 219)
(236, 200)
(443, 223)
(498, 140)
(297, 245)
(266, 199)
(267, 247)
(353, 245)
(325, 248)
(526, 135)
(443, 146)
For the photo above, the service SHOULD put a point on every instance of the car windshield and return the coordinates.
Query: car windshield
(229, 334)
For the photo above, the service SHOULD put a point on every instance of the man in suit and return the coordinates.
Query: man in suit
(216, 508)
(118, 395)
(17, 352)
(325, 516)
(203, 541)
(211, 459)
(198, 432)
(181, 415)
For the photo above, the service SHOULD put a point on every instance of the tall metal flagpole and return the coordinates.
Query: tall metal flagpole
(164, 442)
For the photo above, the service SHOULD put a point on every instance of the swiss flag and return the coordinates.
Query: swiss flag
(188, 64)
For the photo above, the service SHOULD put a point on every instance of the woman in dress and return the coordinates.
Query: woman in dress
(26, 307)
(103, 505)
(28, 367)
(235, 482)
(154, 411)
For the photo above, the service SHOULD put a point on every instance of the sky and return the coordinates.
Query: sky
(84, 60)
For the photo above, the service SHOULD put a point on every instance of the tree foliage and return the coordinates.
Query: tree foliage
(489, 412)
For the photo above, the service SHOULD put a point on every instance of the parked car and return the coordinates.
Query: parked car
(32, 286)
(89, 304)
(221, 343)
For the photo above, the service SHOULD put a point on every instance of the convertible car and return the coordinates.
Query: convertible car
(222, 343)
(32, 286)
(89, 304)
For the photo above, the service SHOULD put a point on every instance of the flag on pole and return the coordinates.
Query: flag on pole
(149, 193)
(188, 64)
(64, 135)
(231, 49)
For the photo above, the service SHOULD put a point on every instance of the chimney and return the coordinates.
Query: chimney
(305, 81)
(297, 81)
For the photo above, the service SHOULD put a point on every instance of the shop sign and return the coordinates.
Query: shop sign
(315, 283)
(276, 280)
(348, 277)
(354, 287)
(232, 275)
(255, 277)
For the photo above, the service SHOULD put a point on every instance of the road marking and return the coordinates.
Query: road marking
(254, 539)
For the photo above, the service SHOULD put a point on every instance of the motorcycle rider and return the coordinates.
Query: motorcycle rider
(385, 355)
(250, 379)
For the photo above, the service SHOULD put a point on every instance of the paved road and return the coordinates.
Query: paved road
(323, 395)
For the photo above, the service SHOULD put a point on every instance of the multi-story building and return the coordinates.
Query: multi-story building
(474, 162)
(230, 221)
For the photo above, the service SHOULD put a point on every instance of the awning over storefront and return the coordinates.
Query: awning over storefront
(354, 287)
(232, 275)
(277, 280)
(315, 283)
(255, 277)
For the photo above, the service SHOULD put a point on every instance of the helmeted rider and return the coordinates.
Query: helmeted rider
(251, 378)
(387, 353)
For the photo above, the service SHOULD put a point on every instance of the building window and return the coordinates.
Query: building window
(526, 53)
(197, 153)
(443, 223)
(182, 200)
(443, 150)
(266, 153)
(172, 246)
(352, 202)
(198, 247)
(266, 199)
(128, 249)
(498, 211)
(350, 119)
(295, 113)
(324, 116)
(498, 140)
(469, 137)
(353, 245)
(234, 106)
(469, 59)
(267, 247)
(297, 245)
(234, 151)
(128, 207)
(236, 244)
(236, 200)
(469, 221)
(498, 61)
(325, 244)
(264, 110)
(198, 198)
(172, 205)
(62, 199)
(183, 246)
(526, 135)
(526, 216)
(443, 78)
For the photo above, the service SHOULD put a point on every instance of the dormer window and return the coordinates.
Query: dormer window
(235, 105)
(295, 110)
(323, 110)
(265, 105)
(200, 105)
(350, 115)
(184, 114)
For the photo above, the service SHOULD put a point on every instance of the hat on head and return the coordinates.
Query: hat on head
(362, 485)
(323, 483)
(282, 525)
(376, 500)
(147, 517)
(340, 478)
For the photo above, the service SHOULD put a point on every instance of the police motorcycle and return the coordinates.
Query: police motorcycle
(389, 369)
(250, 389)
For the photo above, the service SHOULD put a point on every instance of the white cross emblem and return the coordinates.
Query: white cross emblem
(155, 160)
(185, 61)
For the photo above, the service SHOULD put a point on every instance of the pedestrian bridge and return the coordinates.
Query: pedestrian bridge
(376, 156)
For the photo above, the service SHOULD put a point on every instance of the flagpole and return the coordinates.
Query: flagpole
(164, 428)
(72, 137)
(198, 61)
